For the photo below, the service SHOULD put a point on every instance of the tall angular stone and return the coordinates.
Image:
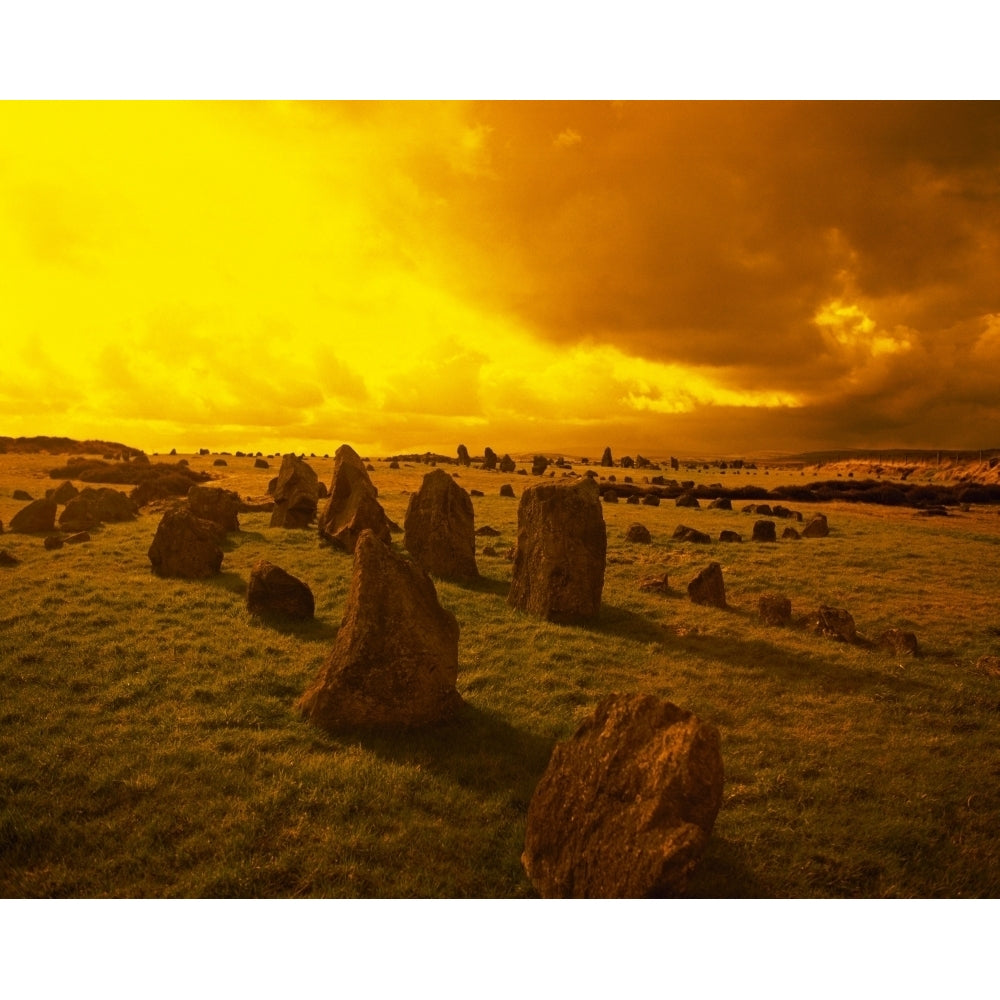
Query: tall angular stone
(395, 659)
(561, 550)
(353, 504)
(296, 494)
(185, 546)
(439, 530)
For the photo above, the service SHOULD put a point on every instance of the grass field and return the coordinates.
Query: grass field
(149, 744)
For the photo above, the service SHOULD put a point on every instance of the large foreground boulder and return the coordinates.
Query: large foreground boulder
(39, 515)
(213, 503)
(561, 551)
(353, 505)
(626, 806)
(273, 592)
(395, 659)
(296, 494)
(185, 546)
(439, 530)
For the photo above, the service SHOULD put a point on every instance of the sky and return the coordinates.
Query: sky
(672, 277)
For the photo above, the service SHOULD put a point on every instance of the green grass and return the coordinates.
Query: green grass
(149, 744)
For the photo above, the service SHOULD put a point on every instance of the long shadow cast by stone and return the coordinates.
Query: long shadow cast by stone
(476, 749)
(483, 585)
(237, 539)
(308, 630)
(626, 624)
(229, 581)
(724, 873)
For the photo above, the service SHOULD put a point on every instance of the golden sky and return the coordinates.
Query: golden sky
(669, 278)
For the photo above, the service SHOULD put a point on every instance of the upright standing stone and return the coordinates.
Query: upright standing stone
(708, 587)
(273, 591)
(353, 504)
(626, 806)
(296, 494)
(185, 546)
(439, 530)
(606, 460)
(561, 549)
(489, 459)
(39, 515)
(395, 659)
(817, 527)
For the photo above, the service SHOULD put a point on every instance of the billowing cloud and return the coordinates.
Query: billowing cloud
(658, 276)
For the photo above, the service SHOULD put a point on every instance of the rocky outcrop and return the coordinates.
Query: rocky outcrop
(395, 659)
(559, 561)
(626, 806)
(353, 505)
(439, 529)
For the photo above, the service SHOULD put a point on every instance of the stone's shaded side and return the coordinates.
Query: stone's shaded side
(395, 659)
(817, 527)
(296, 494)
(764, 531)
(273, 591)
(213, 503)
(185, 546)
(559, 560)
(39, 515)
(626, 806)
(439, 529)
(353, 506)
(708, 587)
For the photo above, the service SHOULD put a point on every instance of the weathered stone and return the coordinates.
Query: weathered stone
(722, 503)
(685, 534)
(561, 549)
(609, 496)
(606, 460)
(774, 609)
(463, 456)
(93, 507)
(272, 591)
(296, 494)
(220, 463)
(817, 527)
(538, 465)
(22, 495)
(64, 492)
(834, 623)
(626, 806)
(395, 659)
(213, 503)
(791, 533)
(764, 531)
(688, 500)
(39, 515)
(651, 500)
(489, 459)
(439, 529)
(185, 546)
(989, 665)
(8, 558)
(655, 584)
(730, 536)
(638, 533)
(489, 530)
(708, 587)
(507, 490)
(899, 642)
(54, 542)
(260, 463)
(353, 505)
(507, 464)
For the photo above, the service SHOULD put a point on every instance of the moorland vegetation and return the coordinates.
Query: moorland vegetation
(150, 746)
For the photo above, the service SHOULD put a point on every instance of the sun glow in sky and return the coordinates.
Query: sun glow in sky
(663, 278)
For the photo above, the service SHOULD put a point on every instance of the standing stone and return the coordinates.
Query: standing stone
(39, 515)
(817, 527)
(463, 456)
(708, 587)
(395, 659)
(638, 533)
(489, 459)
(260, 463)
(507, 464)
(92, 507)
(764, 531)
(439, 530)
(185, 546)
(507, 491)
(726, 535)
(606, 460)
(834, 623)
(353, 505)
(774, 609)
(626, 806)
(538, 465)
(64, 492)
(213, 503)
(296, 494)
(559, 561)
(273, 591)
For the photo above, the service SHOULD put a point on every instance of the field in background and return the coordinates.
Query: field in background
(149, 744)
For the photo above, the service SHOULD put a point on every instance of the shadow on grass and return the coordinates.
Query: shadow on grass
(308, 630)
(483, 585)
(228, 581)
(476, 749)
(723, 873)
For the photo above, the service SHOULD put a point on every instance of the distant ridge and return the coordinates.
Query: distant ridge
(64, 446)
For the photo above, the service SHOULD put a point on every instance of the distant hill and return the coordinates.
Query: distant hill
(64, 446)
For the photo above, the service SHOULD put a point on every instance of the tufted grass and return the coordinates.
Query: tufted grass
(149, 744)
